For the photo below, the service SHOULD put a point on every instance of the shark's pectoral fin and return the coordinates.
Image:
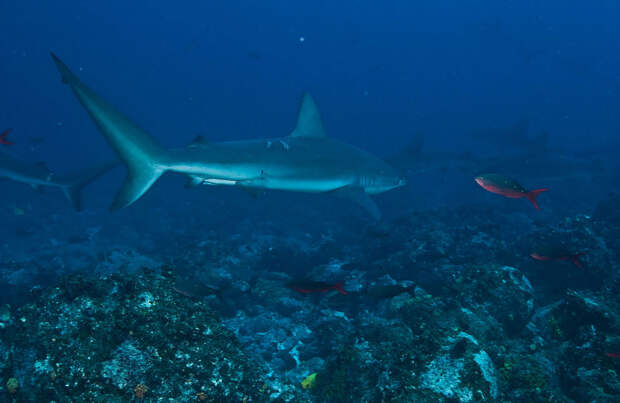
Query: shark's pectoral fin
(358, 196)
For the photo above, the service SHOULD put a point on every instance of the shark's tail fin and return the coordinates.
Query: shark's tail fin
(73, 184)
(146, 160)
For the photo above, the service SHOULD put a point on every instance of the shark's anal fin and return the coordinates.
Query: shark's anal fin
(309, 122)
(358, 196)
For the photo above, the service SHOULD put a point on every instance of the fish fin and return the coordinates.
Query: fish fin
(3, 136)
(576, 261)
(358, 196)
(338, 287)
(533, 194)
(198, 141)
(145, 159)
(309, 122)
(73, 184)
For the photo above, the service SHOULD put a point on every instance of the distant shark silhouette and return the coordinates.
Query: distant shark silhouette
(37, 174)
(304, 161)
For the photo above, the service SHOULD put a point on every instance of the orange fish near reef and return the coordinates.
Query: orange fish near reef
(557, 252)
(507, 187)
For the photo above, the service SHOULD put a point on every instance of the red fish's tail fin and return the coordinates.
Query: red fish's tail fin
(533, 194)
(3, 139)
(576, 261)
(338, 287)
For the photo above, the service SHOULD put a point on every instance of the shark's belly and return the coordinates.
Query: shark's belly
(315, 185)
(275, 183)
(270, 174)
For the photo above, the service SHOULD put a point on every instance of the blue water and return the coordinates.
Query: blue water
(462, 75)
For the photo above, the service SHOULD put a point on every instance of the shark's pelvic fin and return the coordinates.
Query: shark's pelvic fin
(309, 122)
(145, 159)
(193, 181)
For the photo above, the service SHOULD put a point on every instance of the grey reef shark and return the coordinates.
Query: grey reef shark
(38, 175)
(304, 161)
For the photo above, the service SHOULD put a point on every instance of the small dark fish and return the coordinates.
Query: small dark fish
(557, 253)
(3, 139)
(507, 187)
(312, 287)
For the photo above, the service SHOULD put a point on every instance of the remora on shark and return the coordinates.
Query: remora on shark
(37, 174)
(305, 161)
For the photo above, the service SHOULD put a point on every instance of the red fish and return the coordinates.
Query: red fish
(557, 252)
(3, 139)
(613, 355)
(507, 187)
(311, 287)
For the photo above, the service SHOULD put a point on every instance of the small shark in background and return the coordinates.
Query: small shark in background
(554, 166)
(515, 138)
(305, 161)
(414, 160)
(37, 175)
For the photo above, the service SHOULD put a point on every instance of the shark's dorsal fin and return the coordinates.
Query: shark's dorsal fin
(200, 139)
(42, 165)
(309, 122)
